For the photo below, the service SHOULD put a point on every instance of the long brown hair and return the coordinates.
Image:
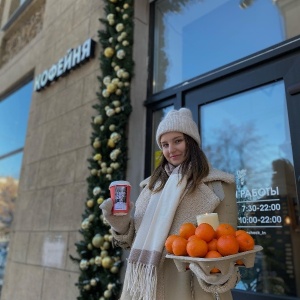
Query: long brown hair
(195, 167)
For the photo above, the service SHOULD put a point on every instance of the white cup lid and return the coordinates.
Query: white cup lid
(119, 182)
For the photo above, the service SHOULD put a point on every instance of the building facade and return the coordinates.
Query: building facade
(235, 64)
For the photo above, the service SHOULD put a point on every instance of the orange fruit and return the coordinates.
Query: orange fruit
(239, 262)
(238, 232)
(169, 242)
(179, 246)
(186, 230)
(227, 245)
(213, 254)
(224, 229)
(192, 237)
(245, 241)
(205, 232)
(196, 248)
(212, 245)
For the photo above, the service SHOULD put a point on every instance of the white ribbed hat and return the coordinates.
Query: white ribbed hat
(178, 120)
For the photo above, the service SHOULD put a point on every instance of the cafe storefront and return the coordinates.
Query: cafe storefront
(236, 65)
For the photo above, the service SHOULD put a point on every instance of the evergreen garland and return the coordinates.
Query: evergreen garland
(99, 261)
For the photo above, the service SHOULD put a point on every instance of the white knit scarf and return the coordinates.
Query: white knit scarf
(149, 243)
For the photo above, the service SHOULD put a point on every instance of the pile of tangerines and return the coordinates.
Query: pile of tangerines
(205, 242)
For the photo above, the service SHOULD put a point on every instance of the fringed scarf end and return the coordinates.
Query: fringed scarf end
(142, 281)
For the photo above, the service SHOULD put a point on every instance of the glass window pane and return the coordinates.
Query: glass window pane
(14, 114)
(193, 37)
(250, 137)
(11, 166)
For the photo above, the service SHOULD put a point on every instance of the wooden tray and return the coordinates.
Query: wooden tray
(222, 263)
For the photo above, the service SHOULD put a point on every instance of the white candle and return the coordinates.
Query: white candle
(211, 219)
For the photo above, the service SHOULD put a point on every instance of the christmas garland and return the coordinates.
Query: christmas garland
(99, 262)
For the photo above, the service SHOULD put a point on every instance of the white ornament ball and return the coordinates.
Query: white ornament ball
(110, 112)
(107, 80)
(119, 27)
(121, 54)
(112, 127)
(96, 190)
(105, 93)
(107, 294)
(83, 264)
(93, 282)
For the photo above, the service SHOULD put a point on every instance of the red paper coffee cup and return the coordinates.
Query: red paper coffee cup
(120, 195)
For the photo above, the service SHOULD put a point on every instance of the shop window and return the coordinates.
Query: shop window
(193, 37)
(251, 139)
(14, 114)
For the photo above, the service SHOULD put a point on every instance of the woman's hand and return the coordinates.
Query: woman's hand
(120, 224)
(216, 283)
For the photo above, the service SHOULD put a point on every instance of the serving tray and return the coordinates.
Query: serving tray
(222, 263)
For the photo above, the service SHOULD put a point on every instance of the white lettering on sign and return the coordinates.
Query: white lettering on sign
(71, 60)
(255, 193)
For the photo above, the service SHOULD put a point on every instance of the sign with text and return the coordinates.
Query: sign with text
(73, 58)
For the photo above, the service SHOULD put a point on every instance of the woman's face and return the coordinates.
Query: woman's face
(174, 147)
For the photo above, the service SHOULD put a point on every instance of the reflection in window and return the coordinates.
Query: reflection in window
(250, 138)
(193, 37)
(14, 113)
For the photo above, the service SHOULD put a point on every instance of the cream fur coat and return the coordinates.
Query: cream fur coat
(173, 285)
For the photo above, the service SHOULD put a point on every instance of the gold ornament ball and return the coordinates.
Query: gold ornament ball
(109, 52)
(104, 253)
(98, 241)
(90, 203)
(98, 120)
(94, 172)
(97, 144)
(90, 246)
(111, 143)
(100, 200)
(97, 156)
(109, 170)
(111, 87)
(106, 237)
(107, 262)
(114, 269)
(106, 245)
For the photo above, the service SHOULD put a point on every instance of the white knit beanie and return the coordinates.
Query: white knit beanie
(178, 120)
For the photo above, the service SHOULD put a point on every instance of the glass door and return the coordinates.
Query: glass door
(251, 130)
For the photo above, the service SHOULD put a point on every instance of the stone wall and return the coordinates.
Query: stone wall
(53, 185)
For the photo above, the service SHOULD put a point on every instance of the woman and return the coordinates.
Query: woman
(180, 188)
